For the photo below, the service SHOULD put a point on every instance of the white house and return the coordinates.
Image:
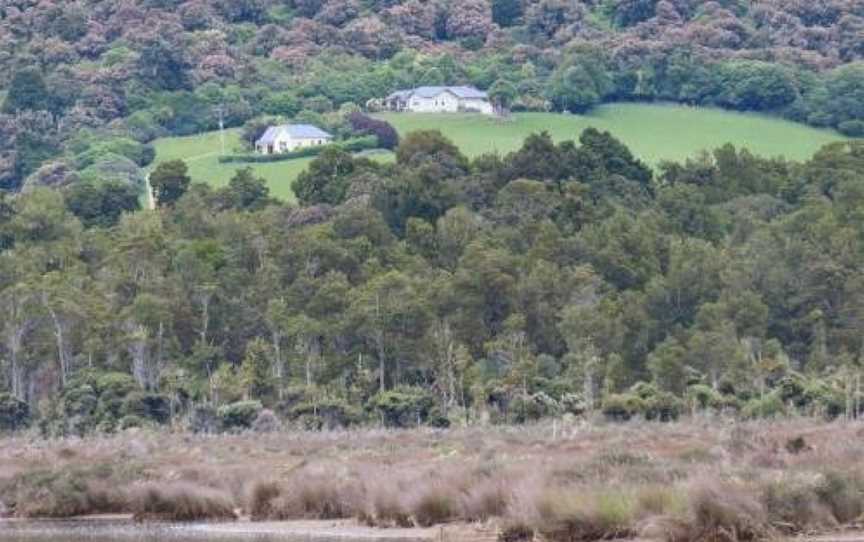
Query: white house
(440, 100)
(291, 137)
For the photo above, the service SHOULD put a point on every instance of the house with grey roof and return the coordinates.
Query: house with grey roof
(291, 137)
(454, 99)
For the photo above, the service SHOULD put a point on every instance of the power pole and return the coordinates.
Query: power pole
(220, 110)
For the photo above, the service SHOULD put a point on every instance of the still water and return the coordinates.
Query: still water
(124, 531)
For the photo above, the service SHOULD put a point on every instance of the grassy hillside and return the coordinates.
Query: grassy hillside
(201, 153)
(653, 132)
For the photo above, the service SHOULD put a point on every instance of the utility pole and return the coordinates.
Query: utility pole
(220, 110)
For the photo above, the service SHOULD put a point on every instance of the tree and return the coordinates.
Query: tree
(169, 181)
(27, 91)
(102, 204)
(255, 370)
(388, 137)
(503, 94)
(326, 180)
(423, 145)
(247, 192)
(506, 12)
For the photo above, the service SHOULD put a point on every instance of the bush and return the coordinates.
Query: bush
(527, 408)
(403, 407)
(770, 406)
(852, 128)
(266, 422)
(325, 414)
(622, 407)
(204, 419)
(14, 414)
(148, 406)
(239, 415)
(664, 407)
(386, 135)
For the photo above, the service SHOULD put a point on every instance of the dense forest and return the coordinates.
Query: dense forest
(559, 278)
(83, 82)
(564, 277)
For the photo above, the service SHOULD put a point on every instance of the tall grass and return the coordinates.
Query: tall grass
(586, 483)
(181, 502)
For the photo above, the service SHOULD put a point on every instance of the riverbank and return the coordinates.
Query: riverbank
(559, 482)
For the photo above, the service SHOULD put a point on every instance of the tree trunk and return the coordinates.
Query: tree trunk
(62, 351)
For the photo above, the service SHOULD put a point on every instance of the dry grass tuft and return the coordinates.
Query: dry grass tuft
(181, 502)
(577, 515)
(434, 506)
(722, 512)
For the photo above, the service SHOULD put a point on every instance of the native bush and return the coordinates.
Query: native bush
(239, 415)
(403, 407)
(14, 414)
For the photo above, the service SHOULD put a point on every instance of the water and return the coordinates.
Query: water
(125, 531)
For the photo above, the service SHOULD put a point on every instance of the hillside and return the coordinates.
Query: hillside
(79, 72)
(654, 133)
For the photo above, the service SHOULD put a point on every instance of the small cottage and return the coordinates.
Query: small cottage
(291, 137)
(440, 100)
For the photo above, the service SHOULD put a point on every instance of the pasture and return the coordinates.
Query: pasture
(654, 133)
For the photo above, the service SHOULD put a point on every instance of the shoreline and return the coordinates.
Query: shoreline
(341, 529)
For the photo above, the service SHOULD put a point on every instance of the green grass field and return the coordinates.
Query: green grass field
(653, 132)
(201, 154)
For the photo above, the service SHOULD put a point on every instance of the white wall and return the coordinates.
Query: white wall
(285, 143)
(483, 106)
(442, 103)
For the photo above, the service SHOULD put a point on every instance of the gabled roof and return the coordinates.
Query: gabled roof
(295, 131)
(400, 94)
(466, 93)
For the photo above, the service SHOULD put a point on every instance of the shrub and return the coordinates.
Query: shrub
(239, 415)
(664, 407)
(148, 406)
(403, 407)
(702, 397)
(526, 408)
(14, 414)
(770, 406)
(325, 414)
(181, 502)
(204, 419)
(622, 407)
(852, 128)
(266, 422)
(386, 135)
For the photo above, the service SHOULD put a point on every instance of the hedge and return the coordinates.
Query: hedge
(349, 145)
